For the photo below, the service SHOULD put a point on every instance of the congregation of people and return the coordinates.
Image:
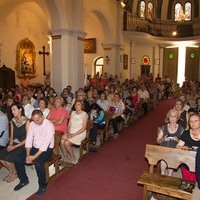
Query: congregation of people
(181, 129)
(28, 112)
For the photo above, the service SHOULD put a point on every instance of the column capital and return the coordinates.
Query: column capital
(67, 32)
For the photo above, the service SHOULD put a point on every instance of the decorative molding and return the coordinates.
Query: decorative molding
(81, 39)
(69, 32)
(108, 47)
(56, 37)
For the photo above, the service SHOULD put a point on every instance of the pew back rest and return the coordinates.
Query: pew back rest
(88, 127)
(172, 156)
(108, 117)
(57, 139)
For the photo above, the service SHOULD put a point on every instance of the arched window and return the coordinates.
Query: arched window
(188, 9)
(150, 11)
(98, 65)
(183, 13)
(142, 9)
(178, 11)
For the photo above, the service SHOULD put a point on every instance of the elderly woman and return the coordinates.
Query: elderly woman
(19, 127)
(76, 131)
(168, 136)
(190, 140)
(117, 108)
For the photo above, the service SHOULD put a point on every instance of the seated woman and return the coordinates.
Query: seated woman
(168, 136)
(189, 140)
(135, 97)
(198, 167)
(19, 127)
(103, 102)
(76, 131)
(58, 115)
(117, 108)
(9, 100)
(183, 120)
(43, 103)
(90, 98)
(97, 115)
(4, 135)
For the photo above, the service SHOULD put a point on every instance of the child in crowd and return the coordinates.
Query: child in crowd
(129, 109)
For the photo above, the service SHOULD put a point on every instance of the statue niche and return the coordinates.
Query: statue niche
(26, 59)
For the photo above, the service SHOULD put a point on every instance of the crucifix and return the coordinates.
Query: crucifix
(43, 53)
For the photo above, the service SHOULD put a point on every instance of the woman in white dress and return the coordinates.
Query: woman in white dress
(76, 131)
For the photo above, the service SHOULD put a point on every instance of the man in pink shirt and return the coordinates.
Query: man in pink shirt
(39, 147)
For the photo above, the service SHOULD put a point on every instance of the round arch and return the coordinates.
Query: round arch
(105, 25)
(98, 65)
(195, 8)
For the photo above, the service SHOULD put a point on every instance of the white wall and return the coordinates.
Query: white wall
(138, 51)
(25, 21)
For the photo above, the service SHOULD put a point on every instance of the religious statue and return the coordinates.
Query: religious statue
(25, 59)
(26, 65)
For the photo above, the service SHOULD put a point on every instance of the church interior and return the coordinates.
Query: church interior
(124, 38)
(60, 43)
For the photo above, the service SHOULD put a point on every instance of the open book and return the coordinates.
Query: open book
(186, 186)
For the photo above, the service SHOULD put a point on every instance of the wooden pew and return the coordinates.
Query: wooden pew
(55, 157)
(161, 184)
(85, 143)
(104, 132)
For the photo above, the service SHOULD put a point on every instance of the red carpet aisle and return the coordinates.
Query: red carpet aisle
(112, 172)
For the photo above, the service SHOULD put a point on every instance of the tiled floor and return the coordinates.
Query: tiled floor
(6, 189)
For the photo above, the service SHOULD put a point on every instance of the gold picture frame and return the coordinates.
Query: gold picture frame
(26, 59)
(125, 61)
(90, 45)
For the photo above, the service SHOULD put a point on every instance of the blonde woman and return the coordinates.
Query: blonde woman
(168, 136)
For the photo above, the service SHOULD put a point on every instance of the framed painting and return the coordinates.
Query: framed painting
(125, 61)
(90, 45)
(25, 59)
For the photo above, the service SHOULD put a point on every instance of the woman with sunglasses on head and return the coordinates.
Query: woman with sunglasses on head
(19, 127)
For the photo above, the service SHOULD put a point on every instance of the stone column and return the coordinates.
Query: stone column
(67, 59)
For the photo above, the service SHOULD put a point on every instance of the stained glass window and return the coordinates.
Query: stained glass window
(178, 11)
(183, 13)
(188, 8)
(150, 10)
(142, 9)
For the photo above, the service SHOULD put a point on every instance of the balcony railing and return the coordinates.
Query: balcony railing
(162, 28)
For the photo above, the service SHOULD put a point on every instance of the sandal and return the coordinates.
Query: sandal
(12, 178)
(7, 177)
(63, 162)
